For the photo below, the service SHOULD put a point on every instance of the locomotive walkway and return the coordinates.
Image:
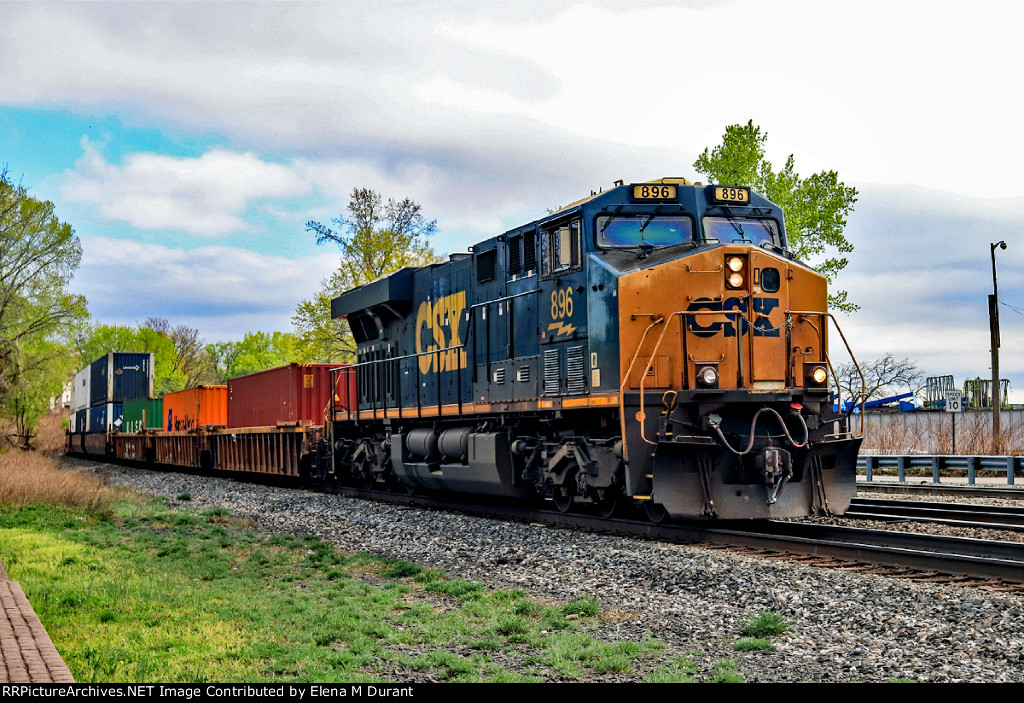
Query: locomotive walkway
(26, 653)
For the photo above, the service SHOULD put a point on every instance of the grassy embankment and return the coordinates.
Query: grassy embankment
(130, 590)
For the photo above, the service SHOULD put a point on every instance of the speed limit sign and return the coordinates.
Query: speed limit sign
(954, 402)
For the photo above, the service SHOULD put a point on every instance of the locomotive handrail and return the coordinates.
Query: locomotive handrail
(643, 376)
(736, 315)
(622, 387)
(863, 383)
(351, 368)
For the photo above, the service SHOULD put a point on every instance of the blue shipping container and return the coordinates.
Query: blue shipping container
(105, 418)
(120, 376)
(80, 421)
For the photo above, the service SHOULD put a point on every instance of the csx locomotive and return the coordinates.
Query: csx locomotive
(656, 343)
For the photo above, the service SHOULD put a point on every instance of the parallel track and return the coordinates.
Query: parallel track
(932, 489)
(1001, 517)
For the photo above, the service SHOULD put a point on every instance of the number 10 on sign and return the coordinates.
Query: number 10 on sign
(954, 405)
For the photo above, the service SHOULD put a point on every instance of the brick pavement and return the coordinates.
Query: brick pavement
(27, 654)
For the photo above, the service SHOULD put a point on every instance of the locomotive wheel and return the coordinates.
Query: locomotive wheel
(563, 495)
(608, 504)
(655, 512)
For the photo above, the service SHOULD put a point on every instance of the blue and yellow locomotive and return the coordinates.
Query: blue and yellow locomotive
(654, 344)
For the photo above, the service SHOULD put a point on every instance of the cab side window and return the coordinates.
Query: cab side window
(561, 248)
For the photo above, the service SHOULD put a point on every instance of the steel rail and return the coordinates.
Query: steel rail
(959, 514)
(941, 490)
(956, 556)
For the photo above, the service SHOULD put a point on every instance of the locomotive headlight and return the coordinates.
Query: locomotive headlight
(815, 375)
(707, 375)
(735, 277)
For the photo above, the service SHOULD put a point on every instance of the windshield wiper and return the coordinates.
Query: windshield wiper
(735, 222)
(644, 249)
(612, 216)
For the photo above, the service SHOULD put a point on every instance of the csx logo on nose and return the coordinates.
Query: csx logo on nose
(714, 324)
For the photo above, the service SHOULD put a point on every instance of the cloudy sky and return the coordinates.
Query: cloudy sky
(189, 143)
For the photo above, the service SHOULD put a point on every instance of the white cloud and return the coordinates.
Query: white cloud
(921, 272)
(223, 291)
(206, 196)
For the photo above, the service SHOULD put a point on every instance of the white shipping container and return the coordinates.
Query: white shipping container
(81, 390)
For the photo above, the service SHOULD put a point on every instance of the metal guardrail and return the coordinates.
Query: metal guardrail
(939, 463)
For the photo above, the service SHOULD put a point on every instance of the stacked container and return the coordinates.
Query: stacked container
(193, 408)
(293, 394)
(80, 420)
(81, 395)
(105, 418)
(100, 390)
(120, 376)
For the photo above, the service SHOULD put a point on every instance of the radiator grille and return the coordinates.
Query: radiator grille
(576, 379)
(551, 379)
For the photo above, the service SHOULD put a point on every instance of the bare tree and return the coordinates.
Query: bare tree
(883, 377)
(190, 356)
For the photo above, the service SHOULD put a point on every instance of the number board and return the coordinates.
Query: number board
(654, 192)
(954, 402)
(732, 195)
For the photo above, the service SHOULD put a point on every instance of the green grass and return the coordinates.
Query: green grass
(677, 670)
(764, 624)
(725, 672)
(149, 594)
(751, 644)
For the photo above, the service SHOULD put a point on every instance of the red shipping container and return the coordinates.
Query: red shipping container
(195, 407)
(296, 393)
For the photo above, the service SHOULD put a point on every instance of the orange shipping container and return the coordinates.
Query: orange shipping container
(195, 407)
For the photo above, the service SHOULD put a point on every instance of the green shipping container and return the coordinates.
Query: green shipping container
(152, 409)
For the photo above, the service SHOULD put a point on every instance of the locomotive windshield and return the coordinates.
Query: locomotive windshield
(637, 230)
(743, 230)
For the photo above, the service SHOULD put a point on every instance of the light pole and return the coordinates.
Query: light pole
(993, 323)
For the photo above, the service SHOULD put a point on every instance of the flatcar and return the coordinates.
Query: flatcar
(654, 344)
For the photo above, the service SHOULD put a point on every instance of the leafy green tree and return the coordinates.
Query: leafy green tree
(815, 207)
(257, 351)
(43, 368)
(38, 257)
(375, 239)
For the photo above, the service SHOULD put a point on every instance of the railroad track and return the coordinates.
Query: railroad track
(932, 489)
(987, 562)
(1001, 517)
(915, 555)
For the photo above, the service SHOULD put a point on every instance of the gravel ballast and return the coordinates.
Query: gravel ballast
(844, 625)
